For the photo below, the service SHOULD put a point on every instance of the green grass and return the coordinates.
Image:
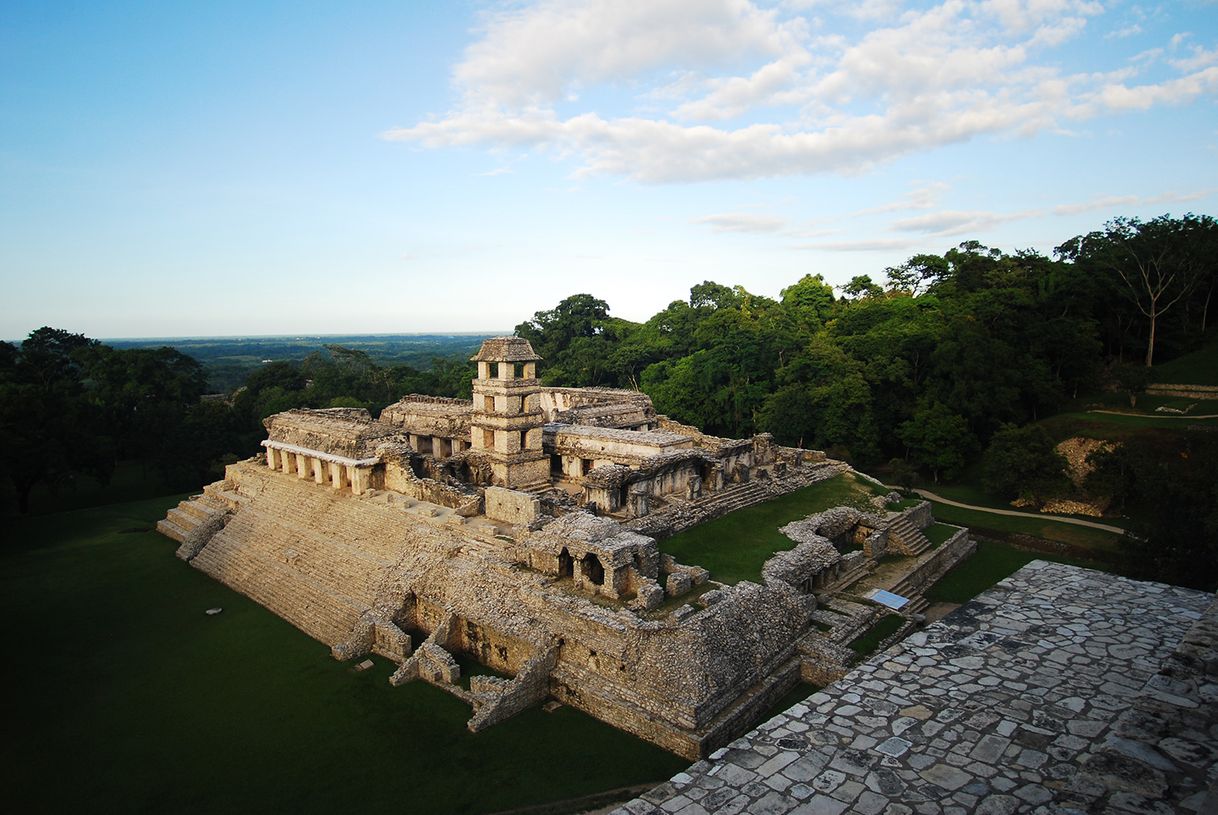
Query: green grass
(734, 547)
(1097, 541)
(938, 533)
(1198, 368)
(886, 627)
(1099, 422)
(993, 561)
(123, 695)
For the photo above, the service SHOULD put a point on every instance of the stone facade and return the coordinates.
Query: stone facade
(499, 529)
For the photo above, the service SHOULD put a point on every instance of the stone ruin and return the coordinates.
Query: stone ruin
(519, 529)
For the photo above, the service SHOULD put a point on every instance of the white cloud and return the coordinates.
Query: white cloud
(1123, 32)
(950, 222)
(802, 103)
(542, 52)
(1111, 202)
(737, 222)
(868, 245)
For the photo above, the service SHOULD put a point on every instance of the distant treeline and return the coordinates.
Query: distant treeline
(227, 361)
(71, 406)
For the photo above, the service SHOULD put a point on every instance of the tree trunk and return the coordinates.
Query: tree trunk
(1206, 309)
(1150, 346)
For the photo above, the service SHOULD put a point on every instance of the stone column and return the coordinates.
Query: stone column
(319, 470)
(285, 461)
(336, 475)
(272, 458)
(302, 466)
(361, 479)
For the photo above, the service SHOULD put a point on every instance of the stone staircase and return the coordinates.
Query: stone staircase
(188, 515)
(734, 498)
(313, 558)
(906, 538)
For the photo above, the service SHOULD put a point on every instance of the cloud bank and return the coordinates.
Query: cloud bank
(692, 90)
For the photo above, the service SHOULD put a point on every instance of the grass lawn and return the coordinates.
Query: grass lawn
(1103, 544)
(123, 695)
(1101, 424)
(938, 533)
(734, 547)
(993, 561)
(1198, 368)
(886, 627)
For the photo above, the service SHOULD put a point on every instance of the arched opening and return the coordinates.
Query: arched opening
(592, 569)
(566, 564)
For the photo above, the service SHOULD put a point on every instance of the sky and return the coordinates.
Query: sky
(250, 168)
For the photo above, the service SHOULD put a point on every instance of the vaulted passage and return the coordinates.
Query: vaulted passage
(592, 569)
(566, 564)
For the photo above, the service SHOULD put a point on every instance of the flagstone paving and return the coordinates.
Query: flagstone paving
(1014, 703)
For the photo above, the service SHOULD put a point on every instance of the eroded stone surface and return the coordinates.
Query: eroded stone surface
(1105, 702)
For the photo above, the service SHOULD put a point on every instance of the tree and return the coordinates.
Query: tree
(1158, 261)
(938, 439)
(916, 273)
(50, 431)
(1022, 462)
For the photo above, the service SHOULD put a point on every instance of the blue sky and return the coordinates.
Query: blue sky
(224, 168)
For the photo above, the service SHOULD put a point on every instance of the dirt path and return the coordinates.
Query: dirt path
(1015, 513)
(1156, 415)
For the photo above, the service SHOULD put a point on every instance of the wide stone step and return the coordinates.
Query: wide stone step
(171, 530)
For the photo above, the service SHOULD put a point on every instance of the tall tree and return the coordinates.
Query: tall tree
(1158, 261)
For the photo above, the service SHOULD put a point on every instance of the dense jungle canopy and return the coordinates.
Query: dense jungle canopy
(920, 368)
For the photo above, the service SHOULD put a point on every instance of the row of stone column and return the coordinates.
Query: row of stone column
(339, 476)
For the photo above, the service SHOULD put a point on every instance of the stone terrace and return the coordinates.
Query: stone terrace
(1013, 703)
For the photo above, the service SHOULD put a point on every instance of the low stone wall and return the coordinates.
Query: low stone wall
(530, 687)
(511, 506)
(919, 515)
(1202, 392)
(954, 549)
(401, 479)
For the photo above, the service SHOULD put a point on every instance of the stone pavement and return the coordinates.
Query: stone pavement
(1010, 704)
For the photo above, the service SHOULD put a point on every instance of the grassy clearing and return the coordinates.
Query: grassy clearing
(886, 627)
(131, 695)
(1198, 368)
(734, 547)
(993, 561)
(1102, 544)
(938, 533)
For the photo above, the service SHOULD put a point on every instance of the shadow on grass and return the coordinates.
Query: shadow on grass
(124, 695)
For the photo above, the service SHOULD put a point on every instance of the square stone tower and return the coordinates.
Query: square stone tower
(507, 419)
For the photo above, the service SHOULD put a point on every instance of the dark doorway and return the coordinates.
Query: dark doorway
(566, 564)
(592, 569)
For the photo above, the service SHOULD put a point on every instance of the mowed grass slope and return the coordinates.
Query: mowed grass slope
(734, 547)
(124, 696)
(1197, 368)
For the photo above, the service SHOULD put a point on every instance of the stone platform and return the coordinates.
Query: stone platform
(1058, 690)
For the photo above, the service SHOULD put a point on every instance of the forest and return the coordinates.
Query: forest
(934, 364)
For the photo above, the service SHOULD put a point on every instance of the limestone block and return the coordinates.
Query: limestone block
(650, 595)
(677, 584)
(511, 506)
